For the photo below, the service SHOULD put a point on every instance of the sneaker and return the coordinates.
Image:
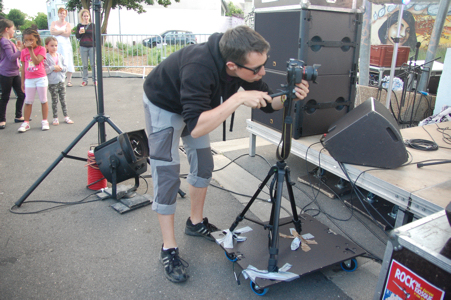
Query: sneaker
(45, 125)
(174, 266)
(95, 83)
(56, 122)
(84, 83)
(24, 127)
(203, 229)
(68, 120)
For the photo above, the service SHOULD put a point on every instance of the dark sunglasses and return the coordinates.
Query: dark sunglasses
(256, 70)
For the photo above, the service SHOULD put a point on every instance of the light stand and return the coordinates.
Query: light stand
(280, 171)
(100, 118)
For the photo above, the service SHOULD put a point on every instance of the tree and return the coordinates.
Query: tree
(1, 9)
(27, 24)
(107, 5)
(41, 21)
(17, 16)
(233, 11)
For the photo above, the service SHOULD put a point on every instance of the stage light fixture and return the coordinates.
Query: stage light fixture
(122, 158)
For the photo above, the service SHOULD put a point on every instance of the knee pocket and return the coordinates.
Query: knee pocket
(160, 144)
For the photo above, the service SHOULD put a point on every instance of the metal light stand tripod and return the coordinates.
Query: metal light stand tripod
(281, 172)
(100, 118)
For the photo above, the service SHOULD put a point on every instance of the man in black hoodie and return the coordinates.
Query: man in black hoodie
(188, 95)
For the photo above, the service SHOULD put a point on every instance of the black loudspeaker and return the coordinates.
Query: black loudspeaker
(326, 37)
(368, 136)
(273, 120)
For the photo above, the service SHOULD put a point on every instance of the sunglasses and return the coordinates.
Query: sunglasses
(256, 70)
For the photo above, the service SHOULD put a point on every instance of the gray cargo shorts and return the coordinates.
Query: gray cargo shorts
(164, 130)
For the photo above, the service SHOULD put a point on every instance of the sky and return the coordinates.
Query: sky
(30, 7)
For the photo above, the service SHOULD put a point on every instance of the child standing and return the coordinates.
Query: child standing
(9, 71)
(56, 68)
(34, 77)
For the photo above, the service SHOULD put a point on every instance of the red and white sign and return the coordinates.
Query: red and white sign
(402, 283)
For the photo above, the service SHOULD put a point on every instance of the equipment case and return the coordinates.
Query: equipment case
(325, 35)
(417, 261)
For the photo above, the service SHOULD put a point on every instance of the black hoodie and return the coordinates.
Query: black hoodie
(193, 80)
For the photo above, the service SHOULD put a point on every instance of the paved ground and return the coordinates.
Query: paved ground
(89, 251)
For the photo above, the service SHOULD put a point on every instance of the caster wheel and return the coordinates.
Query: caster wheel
(258, 290)
(351, 267)
(232, 257)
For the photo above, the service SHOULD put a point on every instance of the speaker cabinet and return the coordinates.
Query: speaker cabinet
(273, 120)
(368, 136)
(330, 38)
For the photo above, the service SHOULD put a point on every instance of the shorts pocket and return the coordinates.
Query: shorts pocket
(160, 144)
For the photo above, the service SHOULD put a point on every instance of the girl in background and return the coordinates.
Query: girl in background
(34, 77)
(62, 30)
(85, 34)
(9, 71)
(55, 67)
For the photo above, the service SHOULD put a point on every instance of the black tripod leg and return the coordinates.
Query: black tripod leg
(296, 221)
(274, 247)
(260, 188)
(54, 164)
(113, 125)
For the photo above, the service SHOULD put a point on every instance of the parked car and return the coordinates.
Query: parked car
(44, 33)
(171, 37)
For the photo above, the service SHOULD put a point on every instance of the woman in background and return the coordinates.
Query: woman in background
(62, 30)
(85, 34)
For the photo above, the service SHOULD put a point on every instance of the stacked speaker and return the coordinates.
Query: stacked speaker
(328, 37)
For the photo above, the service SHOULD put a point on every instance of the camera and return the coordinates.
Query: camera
(297, 70)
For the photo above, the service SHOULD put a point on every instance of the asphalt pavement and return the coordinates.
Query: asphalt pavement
(83, 249)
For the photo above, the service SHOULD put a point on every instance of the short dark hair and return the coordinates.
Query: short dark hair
(238, 42)
(34, 33)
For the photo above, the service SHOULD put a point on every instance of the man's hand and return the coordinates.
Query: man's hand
(253, 99)
(301, 89)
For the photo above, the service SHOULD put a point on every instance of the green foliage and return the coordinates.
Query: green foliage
(137, 50)
(41, 21)
(155, 55)
(108, 45)
(28, 23)
(121, 46)
(233, 11)
(112, 59)
(17, 16)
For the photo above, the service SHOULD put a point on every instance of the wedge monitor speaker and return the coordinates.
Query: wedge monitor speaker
(368, 135)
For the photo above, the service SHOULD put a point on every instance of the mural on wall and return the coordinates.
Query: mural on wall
(417, 23)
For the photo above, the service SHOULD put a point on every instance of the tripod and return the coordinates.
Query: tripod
(280, 171)
(100, 118)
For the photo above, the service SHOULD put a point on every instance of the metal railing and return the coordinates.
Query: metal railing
(137, 53)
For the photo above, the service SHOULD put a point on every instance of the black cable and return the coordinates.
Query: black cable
(62, 204)
(420, 144)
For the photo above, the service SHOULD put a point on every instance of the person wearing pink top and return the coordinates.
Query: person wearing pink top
(34, 77)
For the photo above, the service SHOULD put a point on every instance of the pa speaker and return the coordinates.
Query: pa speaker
(368, 135)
